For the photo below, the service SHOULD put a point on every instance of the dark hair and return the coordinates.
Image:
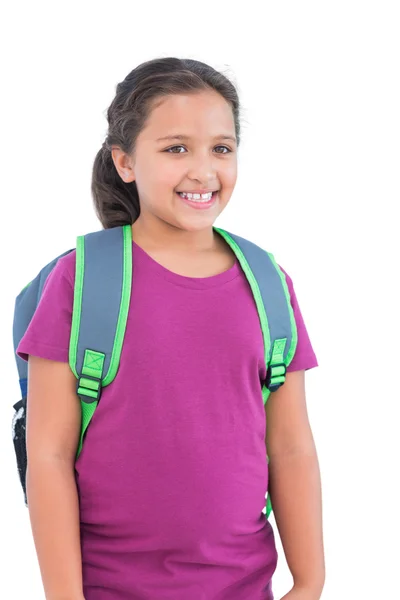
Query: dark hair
(116, 202)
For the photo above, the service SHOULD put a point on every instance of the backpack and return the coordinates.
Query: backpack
(102, 295)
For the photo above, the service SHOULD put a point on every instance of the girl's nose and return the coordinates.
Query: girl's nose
(203, 170)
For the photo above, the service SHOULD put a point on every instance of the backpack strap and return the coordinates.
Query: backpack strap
(102, 293)
(272, 298)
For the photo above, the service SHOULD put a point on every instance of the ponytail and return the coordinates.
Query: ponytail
(116, 202)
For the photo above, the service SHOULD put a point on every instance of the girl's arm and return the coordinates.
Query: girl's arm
(53, 427)
(295, 486)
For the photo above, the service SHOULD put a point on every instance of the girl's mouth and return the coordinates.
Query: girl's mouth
(199, 201)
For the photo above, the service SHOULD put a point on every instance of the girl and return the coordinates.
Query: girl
(165, 500)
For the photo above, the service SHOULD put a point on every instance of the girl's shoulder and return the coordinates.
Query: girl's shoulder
(60, 279)
(66, 267)
(49, 330)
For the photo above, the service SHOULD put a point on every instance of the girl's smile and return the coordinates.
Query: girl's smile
(184, 163)
(198, 200)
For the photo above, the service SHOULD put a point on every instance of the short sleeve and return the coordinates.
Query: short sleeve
(304, 357)
(48, 333)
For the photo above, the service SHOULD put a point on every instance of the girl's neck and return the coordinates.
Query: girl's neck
(156, 236)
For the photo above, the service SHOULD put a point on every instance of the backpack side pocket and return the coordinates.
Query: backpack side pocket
(19, 440)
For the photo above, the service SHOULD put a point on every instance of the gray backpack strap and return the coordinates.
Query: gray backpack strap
(271, 294)
(272, 298)
(102, 293)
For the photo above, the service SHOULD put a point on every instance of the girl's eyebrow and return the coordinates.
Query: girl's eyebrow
(186, 137)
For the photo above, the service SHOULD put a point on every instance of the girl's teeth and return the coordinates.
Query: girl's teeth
(196, 197)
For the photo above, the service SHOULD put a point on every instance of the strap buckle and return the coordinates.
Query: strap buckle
(90, 381)
(276, 375)
(89, 388)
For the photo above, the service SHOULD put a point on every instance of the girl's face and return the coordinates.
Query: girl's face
(188, 145)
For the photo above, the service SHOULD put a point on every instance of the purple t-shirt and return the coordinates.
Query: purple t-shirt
(173, 473)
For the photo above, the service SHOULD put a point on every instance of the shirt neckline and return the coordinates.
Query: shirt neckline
(185, 281)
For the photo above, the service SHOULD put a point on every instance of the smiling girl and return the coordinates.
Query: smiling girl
(166, 498)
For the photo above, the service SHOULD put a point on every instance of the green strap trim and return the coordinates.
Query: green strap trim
(293, 326)
(266, 394)
(87, 414)
(93, 364)
(27, 285)
(278, 375)
(268, 506)
(94, 361)
(124, 306)
(256, 293)
(77, 309)
(278, 349)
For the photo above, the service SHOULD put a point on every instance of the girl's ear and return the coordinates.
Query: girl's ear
(123, 164)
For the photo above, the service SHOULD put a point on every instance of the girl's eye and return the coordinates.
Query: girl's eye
(225, 148)
(173, 148)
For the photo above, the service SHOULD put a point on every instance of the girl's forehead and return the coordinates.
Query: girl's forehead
(191, 115)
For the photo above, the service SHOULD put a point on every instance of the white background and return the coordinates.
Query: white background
(318, 186)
